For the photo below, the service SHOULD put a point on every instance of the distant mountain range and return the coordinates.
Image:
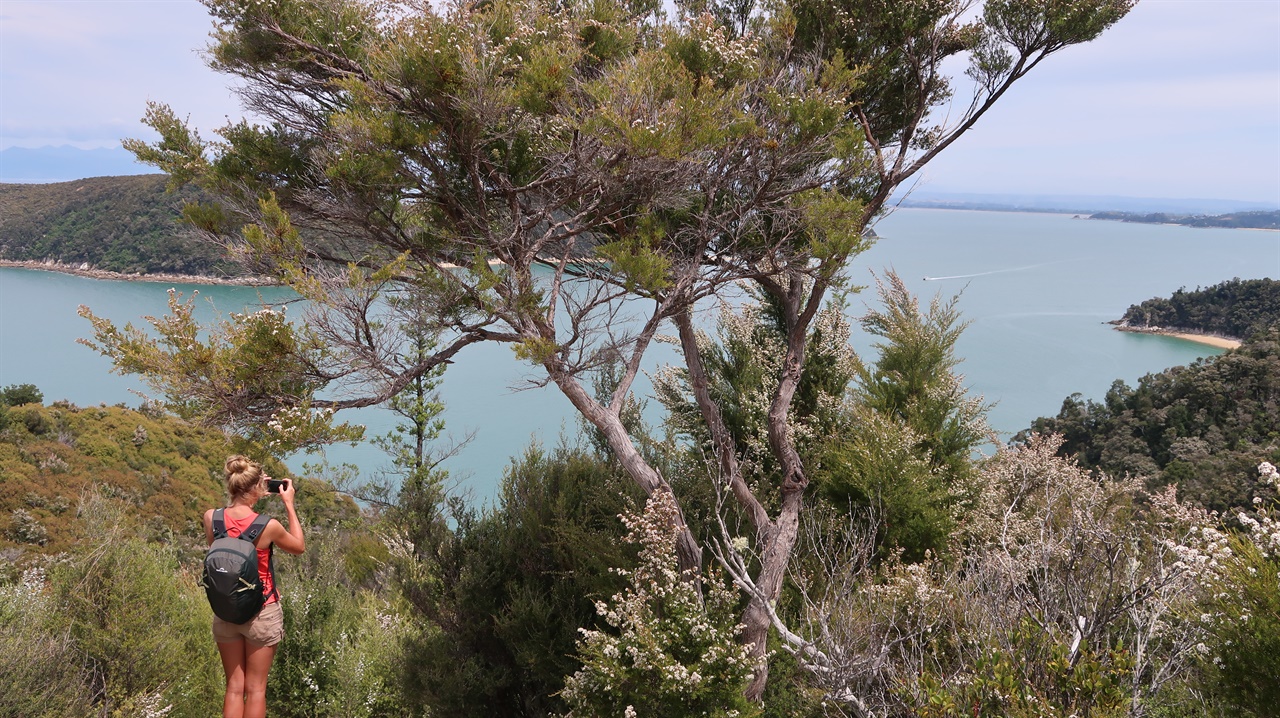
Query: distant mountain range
(1079, 204)
(66, 163)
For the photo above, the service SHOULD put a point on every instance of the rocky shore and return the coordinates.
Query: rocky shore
(85, 270)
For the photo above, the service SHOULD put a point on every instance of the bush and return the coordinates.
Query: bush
(341, 655)
(670, 652)
(505, 592)
(41, 671)
(25, 528)
(1242, 659)
(139, 618)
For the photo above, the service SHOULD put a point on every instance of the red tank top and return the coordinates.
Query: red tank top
(234, 528)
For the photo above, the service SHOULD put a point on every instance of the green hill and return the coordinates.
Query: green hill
(120, 224)
(1204, 427)
(1237, 308)
(166, 470)
(49, 455)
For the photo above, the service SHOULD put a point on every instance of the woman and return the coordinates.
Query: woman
(248, 649)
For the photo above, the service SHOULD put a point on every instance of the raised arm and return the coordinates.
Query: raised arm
(292, 540)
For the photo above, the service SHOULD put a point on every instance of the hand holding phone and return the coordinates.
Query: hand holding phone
(275, 485)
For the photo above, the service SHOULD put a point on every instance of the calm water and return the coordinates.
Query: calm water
(1036, 287)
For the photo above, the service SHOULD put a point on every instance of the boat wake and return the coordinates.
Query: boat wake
(994, 271)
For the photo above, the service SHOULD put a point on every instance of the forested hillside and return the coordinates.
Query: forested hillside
(165, 470)
(1203, 427)
(1236, 308)
(120, 224)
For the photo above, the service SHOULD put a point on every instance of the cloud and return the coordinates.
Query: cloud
(84, 71)
(1181, 98)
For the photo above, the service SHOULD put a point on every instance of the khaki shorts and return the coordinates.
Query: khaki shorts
(266, 628)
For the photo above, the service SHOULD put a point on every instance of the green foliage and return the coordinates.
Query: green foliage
(1202, 427)
(342, 650)
(900, 45)
(140, 620)
(1235, 308)
(1245, 645)
(41, 673)
(1054, 684)
(19, 394)
(119, 224)
(744, 365)
(255, 374)
(1242, 607)
(505, 591)
(674, 651)
(906, 451)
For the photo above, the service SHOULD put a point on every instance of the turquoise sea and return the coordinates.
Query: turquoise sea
(1037, 289)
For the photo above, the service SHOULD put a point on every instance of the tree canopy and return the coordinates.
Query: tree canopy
(569, 177)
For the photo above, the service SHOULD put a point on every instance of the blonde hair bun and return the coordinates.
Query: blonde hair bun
(243, 475)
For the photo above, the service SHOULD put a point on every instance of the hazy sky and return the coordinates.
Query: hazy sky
(1180, 99)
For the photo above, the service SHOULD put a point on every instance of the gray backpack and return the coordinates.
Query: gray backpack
(231, 579)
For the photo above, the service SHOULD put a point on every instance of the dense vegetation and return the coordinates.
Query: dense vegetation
(1202, 427)
(1234, 220)
(119, 224)
(1235, 308)
(165, 470)
(910, 577)
(925, 592)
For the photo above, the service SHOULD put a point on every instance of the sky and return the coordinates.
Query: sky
(1181, 99)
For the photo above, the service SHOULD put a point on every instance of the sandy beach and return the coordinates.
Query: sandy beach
(1210, 339)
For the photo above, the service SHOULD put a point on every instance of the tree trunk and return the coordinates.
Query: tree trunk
(688, 552)
(774, 560)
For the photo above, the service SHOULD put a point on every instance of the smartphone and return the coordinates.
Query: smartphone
(275, 485)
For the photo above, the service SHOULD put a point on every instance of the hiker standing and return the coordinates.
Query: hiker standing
(248, 623)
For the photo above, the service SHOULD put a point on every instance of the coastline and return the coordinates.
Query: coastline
(83, 270)
(1212, 340)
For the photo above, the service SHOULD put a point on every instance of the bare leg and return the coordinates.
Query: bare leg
(258, 662)
(233, 664)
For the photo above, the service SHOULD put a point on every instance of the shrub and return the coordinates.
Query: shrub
(1242, 658)
(504, 592)
(673, 653)
(25, 528)
(341, 656)
(41, 671)
(140, 619)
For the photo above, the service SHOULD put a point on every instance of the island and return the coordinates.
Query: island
(1223, 315)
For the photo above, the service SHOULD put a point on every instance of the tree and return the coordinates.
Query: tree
(620, 166)
(906, 451)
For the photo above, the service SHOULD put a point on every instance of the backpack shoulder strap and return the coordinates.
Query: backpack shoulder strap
(256, 528)
(219, 525)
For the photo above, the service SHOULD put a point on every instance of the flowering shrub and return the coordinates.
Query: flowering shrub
(341, 654)
(675, 652)
(1242, 611)
(41, 672)
(1069, 594)
(252, 373)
